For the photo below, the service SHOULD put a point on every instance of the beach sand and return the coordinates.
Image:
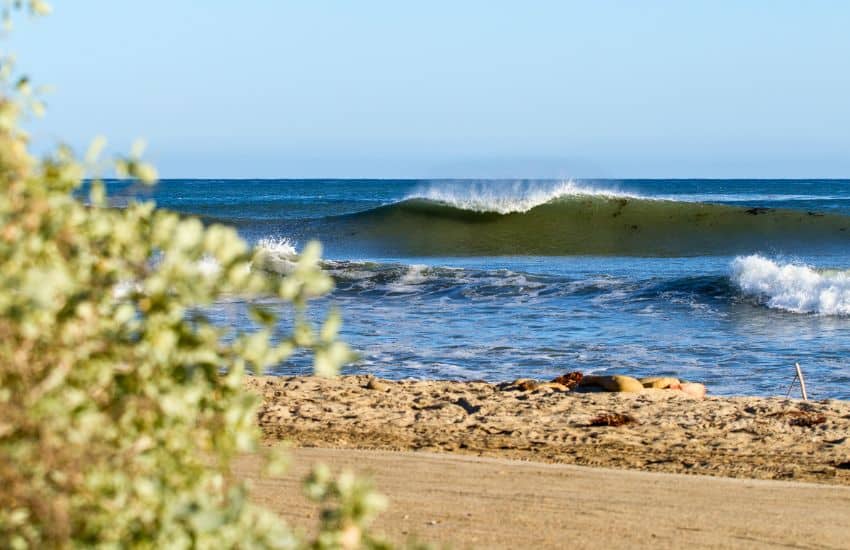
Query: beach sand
(474, 502)
(748, 437)
(480, 466)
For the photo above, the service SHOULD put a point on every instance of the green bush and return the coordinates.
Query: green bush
(121, 405)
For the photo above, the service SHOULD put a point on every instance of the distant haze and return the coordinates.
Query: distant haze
(451, 89)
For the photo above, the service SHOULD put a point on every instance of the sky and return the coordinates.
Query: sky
(458, 89)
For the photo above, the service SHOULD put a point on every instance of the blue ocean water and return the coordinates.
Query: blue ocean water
(728, 282)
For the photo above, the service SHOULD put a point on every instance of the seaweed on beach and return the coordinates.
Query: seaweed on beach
(612, 419)
(801, 419)
(521, 384)
(571, 380)
(808, 420)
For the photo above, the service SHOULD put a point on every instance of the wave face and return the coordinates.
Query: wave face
(793, 287)
(580, 222)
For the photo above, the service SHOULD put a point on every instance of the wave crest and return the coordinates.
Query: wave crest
(506, 197)
(793, 287)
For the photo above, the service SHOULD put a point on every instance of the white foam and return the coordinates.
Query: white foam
(793, 287)
(276, 254)
(506, 197)
(409, 282)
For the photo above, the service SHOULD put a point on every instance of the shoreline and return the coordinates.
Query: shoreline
(744, 437)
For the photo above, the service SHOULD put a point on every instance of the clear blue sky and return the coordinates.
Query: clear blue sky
(317, 88)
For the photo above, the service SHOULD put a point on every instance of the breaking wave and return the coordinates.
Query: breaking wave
(573, 220)
(793, 287)
(786, 286)
(275, 254)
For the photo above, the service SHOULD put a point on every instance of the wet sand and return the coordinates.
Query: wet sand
(473, 502)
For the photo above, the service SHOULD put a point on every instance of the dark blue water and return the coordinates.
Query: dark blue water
(727, 282)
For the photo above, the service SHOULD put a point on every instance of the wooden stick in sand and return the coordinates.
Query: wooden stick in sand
(802, 381)
(798, 376)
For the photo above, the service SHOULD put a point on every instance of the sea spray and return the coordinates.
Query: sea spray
(276, 254)
(793, 287)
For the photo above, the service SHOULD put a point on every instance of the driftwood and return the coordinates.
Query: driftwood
(798, 376)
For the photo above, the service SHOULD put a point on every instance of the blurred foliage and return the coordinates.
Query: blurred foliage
(121, 405)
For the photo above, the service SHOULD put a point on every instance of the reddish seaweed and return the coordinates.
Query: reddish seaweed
(612, 419)
(571, 380)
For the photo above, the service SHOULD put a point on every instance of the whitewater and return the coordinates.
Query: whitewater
(727, 282)
(793, 287)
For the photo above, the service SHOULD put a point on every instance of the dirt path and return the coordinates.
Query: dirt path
(474, 502)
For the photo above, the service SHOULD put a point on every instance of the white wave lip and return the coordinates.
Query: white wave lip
(793, 287)
(507, 197)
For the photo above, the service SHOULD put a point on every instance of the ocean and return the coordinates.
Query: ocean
(726, 282)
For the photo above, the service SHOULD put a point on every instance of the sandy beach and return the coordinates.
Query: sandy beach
(479, 465)
(745, 437)
(474, 502)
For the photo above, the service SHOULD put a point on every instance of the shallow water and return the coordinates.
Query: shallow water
(726, 282)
